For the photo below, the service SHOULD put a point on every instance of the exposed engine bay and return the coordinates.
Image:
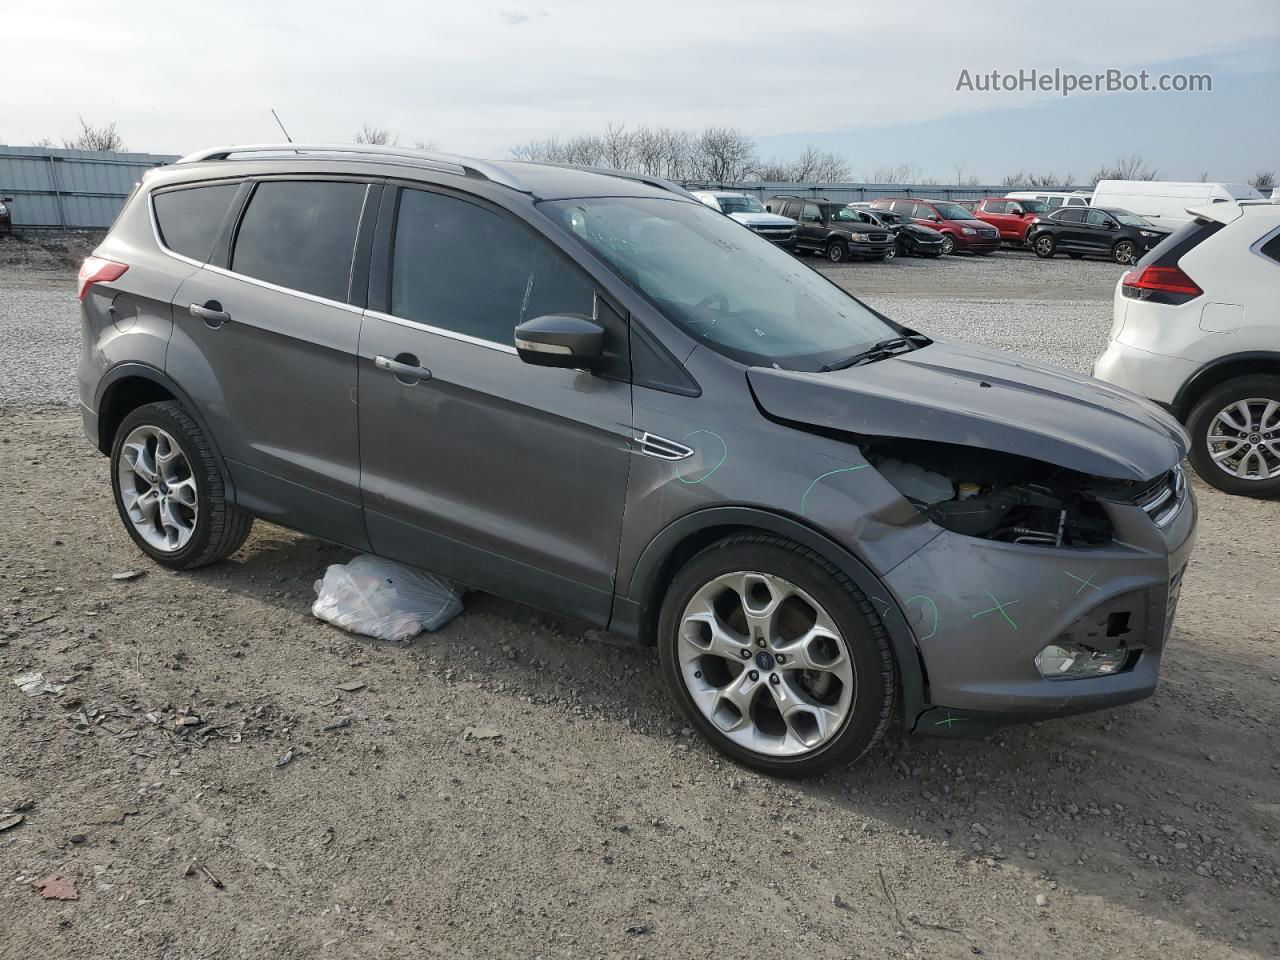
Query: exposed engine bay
(995, 495)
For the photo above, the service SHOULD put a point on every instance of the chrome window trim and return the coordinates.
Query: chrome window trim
(155, 232)
(441, 331)
(300, 294)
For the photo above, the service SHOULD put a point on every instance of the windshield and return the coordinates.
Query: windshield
(1033, 206)
(844, 213)
(722, 284)
(1129, 219)
(953, 211)
(740, 205)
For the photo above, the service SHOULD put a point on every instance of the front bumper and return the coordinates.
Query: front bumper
(870, 251)
(781, 238)
(981, 610)
(974, 244)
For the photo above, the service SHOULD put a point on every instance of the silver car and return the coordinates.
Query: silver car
(590, 393)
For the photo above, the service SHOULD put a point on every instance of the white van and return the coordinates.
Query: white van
(1165, 202)
(1052, 199)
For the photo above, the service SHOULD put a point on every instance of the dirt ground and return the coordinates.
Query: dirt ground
(213, 784)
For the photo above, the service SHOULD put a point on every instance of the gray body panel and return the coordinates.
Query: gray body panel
(530, 482)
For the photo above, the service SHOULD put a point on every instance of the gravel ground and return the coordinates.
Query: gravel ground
(224, 776)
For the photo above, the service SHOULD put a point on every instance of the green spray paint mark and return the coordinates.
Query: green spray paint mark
(831, 473)
(999, 607)
(1084, 583)
(948, 722)
(933, 607)
(723, 456)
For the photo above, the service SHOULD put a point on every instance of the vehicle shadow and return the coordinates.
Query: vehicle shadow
(1168, 807)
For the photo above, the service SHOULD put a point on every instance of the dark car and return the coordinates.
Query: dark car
(960, 228)
(834, 230)
(590, 393)
(1094, 232)
(6, 217)
(913, 239)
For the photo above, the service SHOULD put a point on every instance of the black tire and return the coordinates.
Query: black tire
(837, 251)
(1260, 386)
(1044, 245)
(864, 636)
(891, 255)
(220, 527)
(1124, 252)
(948, 245)
(1075, 256)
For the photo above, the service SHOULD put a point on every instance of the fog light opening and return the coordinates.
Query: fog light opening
(1073, 661)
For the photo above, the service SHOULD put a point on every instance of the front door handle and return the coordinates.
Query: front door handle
(404, 366)
(211, 313)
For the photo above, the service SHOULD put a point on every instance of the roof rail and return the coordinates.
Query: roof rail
(444, 162)
(622, 174)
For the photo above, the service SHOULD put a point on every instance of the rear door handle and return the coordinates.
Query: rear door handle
(211, 313)
(404, 366)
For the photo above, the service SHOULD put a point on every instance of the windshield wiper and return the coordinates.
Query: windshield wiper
(885, 348)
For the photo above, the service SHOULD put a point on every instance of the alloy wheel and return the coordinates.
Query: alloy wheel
(1044, 246)
(1244, 439)
(765, 664)
(948, 245)
(1124, 252)
(157, 488)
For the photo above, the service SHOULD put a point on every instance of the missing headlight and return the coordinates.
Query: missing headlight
(993, 495)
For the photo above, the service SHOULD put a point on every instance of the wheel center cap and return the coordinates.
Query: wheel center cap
(1255, 439)
(764, 660)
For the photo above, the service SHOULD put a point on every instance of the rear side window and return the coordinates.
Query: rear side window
(189, 218)
(1068, 216)
(1271, 248)
(460, 267)
(300, 235)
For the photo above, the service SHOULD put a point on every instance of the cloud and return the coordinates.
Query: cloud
(513, 18)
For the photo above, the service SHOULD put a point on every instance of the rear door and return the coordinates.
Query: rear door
(508, 477)
(812, 228)
(1069, 229)
(265, 341)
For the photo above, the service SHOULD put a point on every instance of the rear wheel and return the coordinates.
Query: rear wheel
(1235, 436)
(837, 251)
(1045, 245)
(169, 489)
(776, 657)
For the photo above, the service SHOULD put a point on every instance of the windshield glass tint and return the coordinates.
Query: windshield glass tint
(740, 205)
(953, 211)
(723, 285)
(1129, 219)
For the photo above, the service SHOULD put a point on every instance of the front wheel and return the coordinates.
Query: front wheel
(169, 490)
(837, 251)
(1235, 436)
(776, 657)
(1045, 245)
(1122, 252)
(892, 254)
(948, 244)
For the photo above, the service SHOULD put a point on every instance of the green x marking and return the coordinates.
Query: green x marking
(1084, 583)
(947, 722)
(999, 607)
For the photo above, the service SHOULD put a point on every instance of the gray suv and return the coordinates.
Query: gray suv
(590, 393)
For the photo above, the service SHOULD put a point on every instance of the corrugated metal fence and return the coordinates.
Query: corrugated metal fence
(54, 189)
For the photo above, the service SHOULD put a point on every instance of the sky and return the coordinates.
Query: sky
(873, 81)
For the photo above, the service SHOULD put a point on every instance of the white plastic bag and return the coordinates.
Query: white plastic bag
(383, 599)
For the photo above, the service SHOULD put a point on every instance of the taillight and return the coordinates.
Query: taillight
(98, 270)
(1160, 285)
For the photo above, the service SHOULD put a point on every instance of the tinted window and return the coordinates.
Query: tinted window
(1096, 218)
(1271, 248)
(924, 211)
(1076, 202)
(1067, 216)
(793, 210)
(810, 212)
(460, 267)
(996, 206)
(1054, 202)
(300, 235)
(903, 207)
(189, 219)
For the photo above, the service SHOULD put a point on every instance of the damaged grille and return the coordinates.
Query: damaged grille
(1161, 500)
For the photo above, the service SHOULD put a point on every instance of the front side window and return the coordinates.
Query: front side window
(189, 218)
(996, 206)
(1096, 218)
(1033, 206)
(810, 212)
(300, 234)
(722, 285)
(460, 267)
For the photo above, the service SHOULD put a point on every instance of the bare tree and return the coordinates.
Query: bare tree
(93, 138)
(425, 145)
(1024, 179)
(1263, 180)
(1132, 167)
(723, 155)
(617, 147)
(46, 142)
(379, 136)
(889, 173)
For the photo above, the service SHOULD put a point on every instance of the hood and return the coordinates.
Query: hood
(762, 219)
(922, 230)
(963, 394)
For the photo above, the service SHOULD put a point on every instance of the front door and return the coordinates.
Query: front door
(266, 347)
(508, 477)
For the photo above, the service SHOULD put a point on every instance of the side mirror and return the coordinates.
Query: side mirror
(560, 340)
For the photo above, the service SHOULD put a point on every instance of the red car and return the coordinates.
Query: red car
(1012, 217)
(960, 229)
(6, 218)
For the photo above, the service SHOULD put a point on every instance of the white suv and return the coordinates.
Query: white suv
(1197, 329)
